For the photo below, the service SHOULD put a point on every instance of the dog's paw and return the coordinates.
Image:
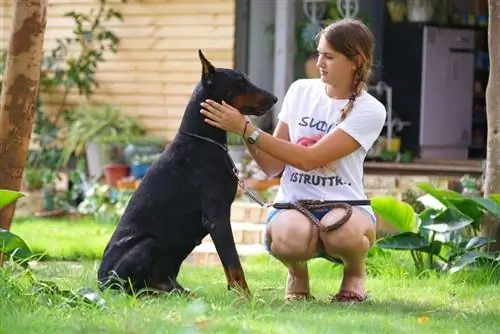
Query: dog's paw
(240, 289)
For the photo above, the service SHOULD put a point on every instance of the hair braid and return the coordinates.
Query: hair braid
(359, 84)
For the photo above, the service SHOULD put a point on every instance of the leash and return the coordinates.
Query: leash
(303, 206)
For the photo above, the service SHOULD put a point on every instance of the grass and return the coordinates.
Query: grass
(54, 239)
(399, 303)
(399, 300)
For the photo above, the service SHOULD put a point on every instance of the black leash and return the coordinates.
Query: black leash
(303, 206)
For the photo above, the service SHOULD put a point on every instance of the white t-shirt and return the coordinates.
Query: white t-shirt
(309, 111)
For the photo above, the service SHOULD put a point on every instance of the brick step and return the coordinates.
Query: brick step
(244, 233)
(206, 254)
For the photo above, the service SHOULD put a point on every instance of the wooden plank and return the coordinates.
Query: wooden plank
(158, 66)
(160, 44)
(112, 3)
(58, 22)
(157, 31)
(150, 77)
(125, 99)
(173, 55)
(161, 9)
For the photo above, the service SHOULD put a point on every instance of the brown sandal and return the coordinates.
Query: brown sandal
(298, 296)
(348, 297)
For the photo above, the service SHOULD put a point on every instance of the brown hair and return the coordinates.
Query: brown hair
(352, 38)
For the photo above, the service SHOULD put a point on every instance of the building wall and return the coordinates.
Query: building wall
(157, 64)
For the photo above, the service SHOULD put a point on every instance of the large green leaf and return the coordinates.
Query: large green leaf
(449, 198)
(495, 197)
(9, 196)
(478, 242)
(469, 258)
(470, 208)
(442, 195)
(12, 244)
(488, 204)
(395, 212)
(404, 241)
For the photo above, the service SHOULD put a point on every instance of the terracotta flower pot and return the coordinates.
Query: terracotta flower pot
(115, 172)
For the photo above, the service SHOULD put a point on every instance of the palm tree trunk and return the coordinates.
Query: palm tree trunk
(19, 92)
(491, 226)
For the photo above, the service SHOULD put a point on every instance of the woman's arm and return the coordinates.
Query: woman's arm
(269, 164)
(361, 128)
(331, 147)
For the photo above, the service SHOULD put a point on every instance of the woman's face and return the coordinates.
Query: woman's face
(335, 68)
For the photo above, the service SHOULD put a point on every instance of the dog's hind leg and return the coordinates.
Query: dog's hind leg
(169, 266)
(131, 270)
(216, 218)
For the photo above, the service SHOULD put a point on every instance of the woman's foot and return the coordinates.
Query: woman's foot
(352, 289)
(297, 283)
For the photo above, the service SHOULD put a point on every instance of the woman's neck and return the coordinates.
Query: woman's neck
(339, 92)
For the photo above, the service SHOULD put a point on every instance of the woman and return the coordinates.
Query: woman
(326, 126)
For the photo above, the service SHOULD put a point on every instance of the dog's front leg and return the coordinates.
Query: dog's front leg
(218, 224)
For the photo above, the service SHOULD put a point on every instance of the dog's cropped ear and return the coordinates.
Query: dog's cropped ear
(207, 71)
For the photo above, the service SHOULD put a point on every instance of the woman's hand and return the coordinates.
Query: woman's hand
(223, 116)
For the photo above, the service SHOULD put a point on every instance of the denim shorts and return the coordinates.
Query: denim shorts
(319, 214)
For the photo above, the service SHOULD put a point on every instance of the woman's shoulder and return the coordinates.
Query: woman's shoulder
(369, 103)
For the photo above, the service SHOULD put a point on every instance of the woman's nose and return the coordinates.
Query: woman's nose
(319, 62)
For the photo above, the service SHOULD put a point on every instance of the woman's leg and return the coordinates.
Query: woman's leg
(293, 241)
(350, 243)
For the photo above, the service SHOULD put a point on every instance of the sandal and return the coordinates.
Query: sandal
(298, 296)
(348, 297)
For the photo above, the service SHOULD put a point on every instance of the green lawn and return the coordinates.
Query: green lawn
(399, 301)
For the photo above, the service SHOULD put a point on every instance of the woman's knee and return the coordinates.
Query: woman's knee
(291, 237)
(354, 238)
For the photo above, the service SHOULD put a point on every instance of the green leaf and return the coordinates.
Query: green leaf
(404, 241)
(395, 212)
(434, 248)
(442, 195)
(469, 258)
(495, 197)
(9, 196)
(470, 208)
(12, 245)
(446, 228)
(478, 242)
(488, 204)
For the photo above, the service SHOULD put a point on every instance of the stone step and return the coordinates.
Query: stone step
(206, 254)
(244, 233)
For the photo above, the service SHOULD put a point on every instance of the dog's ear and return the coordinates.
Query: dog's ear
(207, 71)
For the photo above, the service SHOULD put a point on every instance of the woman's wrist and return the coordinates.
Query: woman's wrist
(250, 128)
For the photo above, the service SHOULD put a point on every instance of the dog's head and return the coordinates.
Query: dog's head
(235, 88)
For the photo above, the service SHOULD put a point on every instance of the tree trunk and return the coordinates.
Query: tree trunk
(19, 92)
(491, 227)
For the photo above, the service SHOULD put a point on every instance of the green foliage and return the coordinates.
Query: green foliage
(19, 252)
(445, 236)
(102, 123)
(11, 244)
(105, 203)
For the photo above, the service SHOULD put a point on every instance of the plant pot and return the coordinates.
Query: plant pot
(96, 157)
(138, 170)
(115, 172)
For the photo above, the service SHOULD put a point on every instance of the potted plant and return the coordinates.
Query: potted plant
(140, 164)
(101, 132)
